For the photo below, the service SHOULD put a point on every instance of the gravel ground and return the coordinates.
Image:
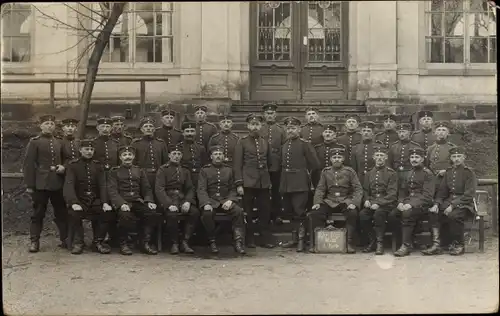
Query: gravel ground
(54, 282)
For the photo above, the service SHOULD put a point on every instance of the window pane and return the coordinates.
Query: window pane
(7, 49)
(454, 50)
(436, 24)
(274, 30)
(158, 24)
(454, 5)
(493, 49)
(454, 24)
(21, 49)
(478, 5)
(158, 50)
(478, 24)
(437, 5)
(117, 50)
(478, 49)
(434, 47)
(168, 49)
(144, 49)
(144, 6)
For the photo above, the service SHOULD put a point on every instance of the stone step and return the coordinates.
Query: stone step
(299, 108)
(303, 103)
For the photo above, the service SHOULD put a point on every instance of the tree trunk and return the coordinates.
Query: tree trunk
(93, 64)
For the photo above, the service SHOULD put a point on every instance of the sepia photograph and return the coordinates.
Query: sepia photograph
(249, 157)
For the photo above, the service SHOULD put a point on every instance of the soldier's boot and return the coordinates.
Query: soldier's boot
(174, 238)
(188, 232)
(102, 247)
(301, 236)
(213, 246)
(371, 243)
(174, 249)
(77, 247)
(379, 233)
(435, 249)
(35, 231)
(95, 232)
(62, 227)
(146, 247)
(250, 234)
(350, 240)
(458, 249)
(310, 228)
(406, 247)
(238, 241)
(34, 246)
(125, 249)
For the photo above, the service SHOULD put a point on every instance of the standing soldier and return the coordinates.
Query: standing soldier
(217, 193)
(251, 162)
(275, 136)
(380, 196)
(362, 153)
(106, 147)
(130, 193)
(298, 160)
(389, 136)
(44, 178)
(312, 131)
(414, 200)
(424, 136)
(351, 137)
(194, 155)
(170, 135)
(225, 138)
(455, 198)
(118, 132)
(176, 195)
(85, 192)
(323, 150)
(69, 142)
(204, 129)
(338, 191)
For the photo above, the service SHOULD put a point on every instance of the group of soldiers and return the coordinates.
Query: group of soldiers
(307, 170)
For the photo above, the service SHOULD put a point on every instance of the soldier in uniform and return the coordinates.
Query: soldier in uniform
(252, 158)
(338, 191)
(118, 132)
(225, 138)
(389, 136)
(413, 200)
(323, 150)
(298, 161)
(362, 159)
(176, 195)
(170, 135)
(275, 136)
(351, 137)
(85, 193)
(455, 198)
(106, 147)
(194, 155)
(204, 129)
(380, 195)
(130, 193)
(312, 131)
(424, 136)
(69, 142)
(217, 193)
(44, 178)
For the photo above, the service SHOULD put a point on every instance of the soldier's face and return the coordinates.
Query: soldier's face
(457, 159)
(329, 135)
(254, 126)
(69, 129)
(118, 127)
(87, 152)
(416, 160)
(148, 129)
(217, 156)
(441, 133)
(312, 116)
(48, 127)
(426, 122)
(403, 134)
(226, 125)
(337, 160)
(200, 115)
(168, 120)
(175, 156)
(104, 129)
(379, 158)
(189, 133)
(270, 116)
(292, 131)
(126, 157)
(351, 124)
(389, 124)
(366, 133)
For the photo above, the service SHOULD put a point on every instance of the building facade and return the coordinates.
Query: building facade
(434, 51)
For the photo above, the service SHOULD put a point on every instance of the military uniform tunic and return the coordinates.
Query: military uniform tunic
(457, 188)
(312, 132)
(298, 159)
(251, 162)
(71, 149)
(216, 186)
(362, 158)
(424, 138)
(337, 186)
(349, 140)
(171, 136)
(106, 151)
(85, 183)
(194, 156)
(381, 186)
(387, 137)
(399, 155)
(122, 138)
(227, 140)
(204, 131)
(323, 153)
(419, 191)
(438, 155)
(128, 184)
(174, 185)
(276, 137)
(151, 153)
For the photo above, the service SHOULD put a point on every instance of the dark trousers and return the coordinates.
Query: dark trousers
(208, 221)
(139, 214)
(40, 201)
(318, 217)
(173, 219)
(402, 176)
(456, 223)
(100, 223)
(370, 219)
(296, 203)
(262, 199)
(404, 223)
(276, 198)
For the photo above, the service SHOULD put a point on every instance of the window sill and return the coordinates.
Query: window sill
(9, 68)
(122, 69)
(459, 70)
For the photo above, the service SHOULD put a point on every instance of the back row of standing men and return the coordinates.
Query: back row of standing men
(291, 160)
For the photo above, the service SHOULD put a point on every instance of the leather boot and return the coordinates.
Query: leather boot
(310, 228)
(77, 249)
(174, 238)
(350, 240)
(379, 235)
(34, 246)
(371, 243)
(301, 236)
(238, 241)
(146, 247)
(122, 234)
(174, 249)
(102, 247)
(435, 249)
(188, 232)
(457, 249)
(62, 227)
(405, 248)
(250, 234)
(292, 243)
(77, 244)
(124, 248)
(213, 246)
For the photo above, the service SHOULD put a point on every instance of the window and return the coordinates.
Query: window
(16, 29)
(143, 34)
(460, 31)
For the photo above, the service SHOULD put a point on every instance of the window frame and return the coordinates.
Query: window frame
(449, 69)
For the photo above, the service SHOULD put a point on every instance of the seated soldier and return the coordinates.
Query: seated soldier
(176, 194)
(130, 193)
(338, 191)
(455, 198)
(217, 194)
(85, 193)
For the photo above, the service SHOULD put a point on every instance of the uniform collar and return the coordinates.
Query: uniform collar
(104, 137)
(87, 160)
(167, 127)
(70, 137)
(367, 141)
(419, 167)
(441, 142)
(148, 137)
(380, 168)
(461, 166)
(406, 141)
(349, 132)
(217, 165)
(225, 132)
(46, 135)
(127, 166)
(426, 131)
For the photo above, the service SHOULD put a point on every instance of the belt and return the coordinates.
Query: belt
(107, 167)
(129, 193)
(175, 191)
(150, 169)
(194, 170)
(378, 195)
(88, 192)
(337, 194)
(291, 170)
(228, 159)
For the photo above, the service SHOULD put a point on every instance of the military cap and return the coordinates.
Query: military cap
(252, 117)
(174, 147)
(457, 150)
(377, 148)
(216, 148)
(404, 126)
(104, 120)
(312, 109)
(68, 121)
(291, 121)
(269, 107)
(147, 120)
(367, 124)
(417, 151)
(226, 117)
(352, 116)
(424, 114)
(46, 118)
(87, 143)
(123, 149)
(168, 112)
(442, 124)
(337, 150)
(188, 124)
(330, 127)
(117, 118)
(200, 107)
(390, 117)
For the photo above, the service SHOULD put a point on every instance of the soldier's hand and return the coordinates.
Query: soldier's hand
(185, 207)
(315, 207)
(240, 190)
(173, 208)
(434, 209)
(29, 190)
(367, 204)
(406, 207)
(441, 172)
(76, 207)
(208, 207)
(152, 206)
(125, 208)
(400, 207)
(374, 207)
(448, 210)
(60, 169)
(227, 205)
(351, 206)
(106, 207)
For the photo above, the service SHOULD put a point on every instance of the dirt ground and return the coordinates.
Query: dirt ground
(277, 281)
